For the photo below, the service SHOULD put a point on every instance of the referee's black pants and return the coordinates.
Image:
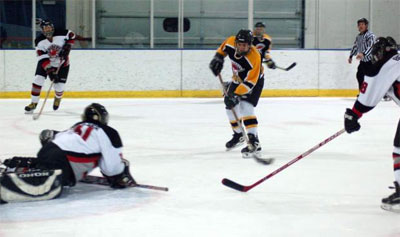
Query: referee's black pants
(362, 67)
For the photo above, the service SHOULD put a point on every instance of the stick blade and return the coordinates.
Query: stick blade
(35, 116)
(229, 183)
(291, 66)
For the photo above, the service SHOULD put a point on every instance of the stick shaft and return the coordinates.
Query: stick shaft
(234, 112)
(48, 93)
(298, 158)
(242, 188)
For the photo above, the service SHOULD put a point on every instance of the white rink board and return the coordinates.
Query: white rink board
(143, 70)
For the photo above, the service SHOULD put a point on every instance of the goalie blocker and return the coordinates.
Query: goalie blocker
(23, 185)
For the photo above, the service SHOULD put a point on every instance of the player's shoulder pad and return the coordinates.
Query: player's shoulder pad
(231, 40)
(39, 38)
(112, 134)
(266, 36)
(60, 32)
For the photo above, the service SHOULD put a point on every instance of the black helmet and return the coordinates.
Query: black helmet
(362, 20)
(244, 36)
(259, 24)
(95, 113)
(382, 47)
(42, 24)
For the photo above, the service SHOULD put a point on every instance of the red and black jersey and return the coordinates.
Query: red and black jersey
(48, 50)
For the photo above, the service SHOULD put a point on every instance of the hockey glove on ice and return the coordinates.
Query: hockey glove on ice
(271, 64)
(351, 123)
(217, 63)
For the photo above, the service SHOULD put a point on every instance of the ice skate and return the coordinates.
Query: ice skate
(30, 108)
(392, 203)
(56, 103)
(253, 150)
(236, 140)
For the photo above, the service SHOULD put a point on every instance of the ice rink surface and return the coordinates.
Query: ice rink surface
(179, 143)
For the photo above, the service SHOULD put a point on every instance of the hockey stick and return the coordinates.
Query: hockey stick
(288, 68)
(242, 188)
(36, 116)
(263, 161)
(90, 179)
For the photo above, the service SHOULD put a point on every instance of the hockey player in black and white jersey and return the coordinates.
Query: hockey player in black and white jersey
(382, 77)
(263, 44)
(73, 153)
(52, 49)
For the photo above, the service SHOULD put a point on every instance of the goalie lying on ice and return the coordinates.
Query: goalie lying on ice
(65, 158)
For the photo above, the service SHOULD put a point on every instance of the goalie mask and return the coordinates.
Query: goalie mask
(95, 113)
(383, 47)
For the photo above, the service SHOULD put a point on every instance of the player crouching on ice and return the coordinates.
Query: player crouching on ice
(382, 77)
(245, 89)
(65, 158)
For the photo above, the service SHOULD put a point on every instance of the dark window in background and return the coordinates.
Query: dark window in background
(171, 24)
(16, 20)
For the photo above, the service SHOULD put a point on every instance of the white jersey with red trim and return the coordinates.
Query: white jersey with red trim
(387, 81)
(88, 145)
(51, 49)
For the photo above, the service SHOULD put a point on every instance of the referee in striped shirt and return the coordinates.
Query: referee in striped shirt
(362, 48)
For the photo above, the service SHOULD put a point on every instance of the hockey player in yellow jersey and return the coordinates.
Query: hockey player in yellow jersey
(263, 43)
(244, 90)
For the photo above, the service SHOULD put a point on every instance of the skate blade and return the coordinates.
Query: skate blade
(29, 112)
(392, 208)
(248, 155)
(237, 145)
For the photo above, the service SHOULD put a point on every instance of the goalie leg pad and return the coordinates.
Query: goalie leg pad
(32, 185)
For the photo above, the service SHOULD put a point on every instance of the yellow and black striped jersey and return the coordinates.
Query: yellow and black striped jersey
(263, 45)
(246, 69)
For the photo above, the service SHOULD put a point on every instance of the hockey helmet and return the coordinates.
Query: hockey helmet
(44, 25)
(259, 29)
(244, 36)
(95, 113)
(364, 20)
(259, 24)
(382, 47)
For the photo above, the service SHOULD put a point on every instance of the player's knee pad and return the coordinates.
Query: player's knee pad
(246, 109)
(39, 80)
(31, 185)
(59, 86)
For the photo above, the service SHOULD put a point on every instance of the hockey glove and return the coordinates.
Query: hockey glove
(65, 51)
(351, 123)
(52, 74)
(217, 63)
(231, 100)
(271, 64)
(122, 180)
